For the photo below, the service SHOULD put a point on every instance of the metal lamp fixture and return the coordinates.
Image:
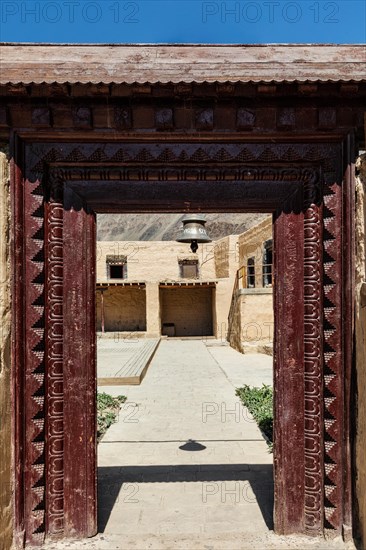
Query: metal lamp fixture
(193, 231)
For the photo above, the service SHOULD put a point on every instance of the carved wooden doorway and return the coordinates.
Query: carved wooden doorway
(57, 189)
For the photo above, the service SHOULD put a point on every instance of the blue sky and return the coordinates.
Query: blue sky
(183, 21)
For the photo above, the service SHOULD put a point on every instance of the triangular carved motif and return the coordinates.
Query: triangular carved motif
(40, 481)
(167, 156)
(200, 156)
(40, 505)
(38, 190)
(121, 156)
(98, 156)
(183, 156)
(291, 155)
(328, 325)
(223, 156)
(75, 156)
(245, 156)
(39, 437)
(39, 212)
(328, 378)
(267, 156)
(329, 445)
(39, 324)
(39, 256)
(51, 156)
(330, 486)
(312, 154)
(40, 368)
(328, 191)
(144, 156)
(39, 234)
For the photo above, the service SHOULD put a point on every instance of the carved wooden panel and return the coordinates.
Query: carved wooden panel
(59, 377)
(34, 387)
(333, 368)
(313, 364)
(175, 155)
(240, 108)
(55, 371)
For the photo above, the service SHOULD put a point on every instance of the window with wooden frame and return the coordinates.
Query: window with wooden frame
(188, 269)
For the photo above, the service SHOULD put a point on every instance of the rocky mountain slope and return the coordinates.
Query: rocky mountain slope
(164, 227)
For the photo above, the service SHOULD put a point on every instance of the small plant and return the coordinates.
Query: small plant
(259, 402)
(107, 410)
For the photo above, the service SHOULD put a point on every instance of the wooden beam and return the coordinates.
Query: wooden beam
(131, 64)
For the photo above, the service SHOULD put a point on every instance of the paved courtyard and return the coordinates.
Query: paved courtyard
(184, 457)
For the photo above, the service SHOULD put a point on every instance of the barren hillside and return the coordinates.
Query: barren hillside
(164, 227)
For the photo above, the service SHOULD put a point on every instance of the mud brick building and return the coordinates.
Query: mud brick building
(160, 287)
(250, 320)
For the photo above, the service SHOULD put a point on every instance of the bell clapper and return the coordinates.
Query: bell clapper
(194, 246)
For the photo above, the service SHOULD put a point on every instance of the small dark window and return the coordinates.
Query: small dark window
(116, 266)
(116, 271)
(250, 273)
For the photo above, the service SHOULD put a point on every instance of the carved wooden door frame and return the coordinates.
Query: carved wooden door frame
(57, 186)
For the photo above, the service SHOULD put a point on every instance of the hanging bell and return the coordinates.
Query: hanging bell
(193, 231)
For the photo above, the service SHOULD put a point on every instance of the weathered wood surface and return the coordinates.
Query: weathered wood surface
(180, 63)
(289, 383)
(79, 369)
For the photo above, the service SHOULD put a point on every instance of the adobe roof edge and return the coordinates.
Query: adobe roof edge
(131, 64)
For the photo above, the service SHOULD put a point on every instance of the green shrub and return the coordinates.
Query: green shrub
(107, 410)
(259, 402)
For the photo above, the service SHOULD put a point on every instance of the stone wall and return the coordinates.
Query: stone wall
(222, 256)
(6, 513)
(226, 262)
(154, 261)
(360, 436)
(234, 323)
(252, 319)
(153, 315)
(257, 320)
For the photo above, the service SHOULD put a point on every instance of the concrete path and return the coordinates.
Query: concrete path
(253, 369)
(185, 457)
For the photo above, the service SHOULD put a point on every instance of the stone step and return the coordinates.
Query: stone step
(134, 370)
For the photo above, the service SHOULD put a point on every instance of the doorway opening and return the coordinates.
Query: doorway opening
(187, 310)
(185, 453)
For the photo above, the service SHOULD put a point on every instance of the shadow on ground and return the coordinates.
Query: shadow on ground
(257, 487)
